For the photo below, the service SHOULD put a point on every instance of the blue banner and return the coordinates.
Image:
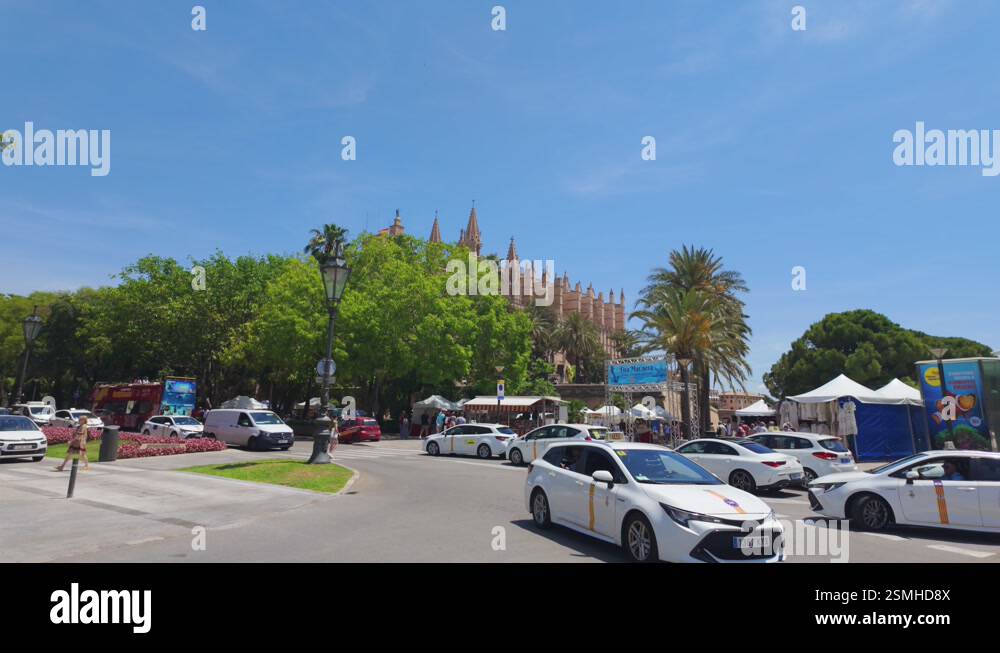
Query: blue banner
(644, 373)
(963, 385)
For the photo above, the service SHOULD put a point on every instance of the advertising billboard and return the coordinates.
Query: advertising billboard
(642, 372)
(960, 397)
(178, 396)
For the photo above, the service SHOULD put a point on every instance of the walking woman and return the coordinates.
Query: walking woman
(78, 445)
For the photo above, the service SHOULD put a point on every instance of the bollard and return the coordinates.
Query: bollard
(72, 477)
(109, 445)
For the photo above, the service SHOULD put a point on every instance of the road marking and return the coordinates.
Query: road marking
(885, 536)
(960, 551)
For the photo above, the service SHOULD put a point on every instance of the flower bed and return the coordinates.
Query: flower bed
(131, 444)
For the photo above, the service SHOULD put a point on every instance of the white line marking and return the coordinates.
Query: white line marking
(955, 549)
(884, 536)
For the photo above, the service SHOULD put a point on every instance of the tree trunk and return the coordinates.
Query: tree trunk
(685, 404)
(704, 405)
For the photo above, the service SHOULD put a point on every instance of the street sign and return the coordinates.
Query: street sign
(500, 390)
(330, 380)
(326, 367)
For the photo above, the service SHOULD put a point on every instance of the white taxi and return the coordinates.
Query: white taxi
(71, 418)
(174, 426)
(535, 443)
(744, 463)
(944, 489)
(654, 503)
(482, 440)
(819, 454)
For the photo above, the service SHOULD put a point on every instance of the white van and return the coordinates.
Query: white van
(253, 429)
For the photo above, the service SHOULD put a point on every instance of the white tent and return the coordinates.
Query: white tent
(898, 392)
(756, 409)
(842, 386)
(642, 412)
(613, 411)
(436, 402)
(243, 402)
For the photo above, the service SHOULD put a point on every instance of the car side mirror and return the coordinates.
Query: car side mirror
(604, 476)
(911, 476)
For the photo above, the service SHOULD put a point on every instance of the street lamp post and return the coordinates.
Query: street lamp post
(335, 274)
(500, 383)
(32, 325)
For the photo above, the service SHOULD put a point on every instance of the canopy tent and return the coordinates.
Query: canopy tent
(757, 409)
(437, 402)
(642, 412)
(896, 391)
(243, 402)
(886, 429)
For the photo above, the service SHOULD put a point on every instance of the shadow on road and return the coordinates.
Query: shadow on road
(585, 547)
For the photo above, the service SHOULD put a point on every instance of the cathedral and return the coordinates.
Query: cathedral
(606, 314)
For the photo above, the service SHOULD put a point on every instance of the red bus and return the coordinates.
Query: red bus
(129, 405)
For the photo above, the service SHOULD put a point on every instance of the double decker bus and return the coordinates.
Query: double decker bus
(129, 405)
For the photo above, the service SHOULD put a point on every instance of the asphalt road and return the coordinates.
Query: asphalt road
(404, 506)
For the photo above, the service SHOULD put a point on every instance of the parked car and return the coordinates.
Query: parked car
(744, 464)
(174, 426)
(482, 440)
(654, 503)
(37, 411)
(819, 454)
(535, 443)
(943, 489)
(253, 429)
(359, 429)
(71, 418)
(21, 438)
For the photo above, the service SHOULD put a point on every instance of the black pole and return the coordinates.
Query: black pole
(321, 440)
(72, 477)
(24, 372)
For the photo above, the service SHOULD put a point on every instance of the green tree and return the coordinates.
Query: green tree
(865, 345)
(577, 337)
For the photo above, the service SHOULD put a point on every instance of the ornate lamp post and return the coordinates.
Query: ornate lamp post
(335, 274)
(32, 325)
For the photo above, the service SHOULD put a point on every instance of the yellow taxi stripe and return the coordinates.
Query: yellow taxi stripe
(592, 488)
(728, 502)
(534, 449)
(941, 501)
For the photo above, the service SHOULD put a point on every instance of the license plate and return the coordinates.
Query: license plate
(846, 461)
(751, 542)
(796, 477)
(24, 446)
(282, 441)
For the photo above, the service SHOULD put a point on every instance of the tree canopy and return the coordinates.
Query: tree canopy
(866, 346)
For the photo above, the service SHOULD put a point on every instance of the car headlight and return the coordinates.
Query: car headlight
(826, 487)
(682, 517)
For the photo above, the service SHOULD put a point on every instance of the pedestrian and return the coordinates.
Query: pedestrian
(439, 422)
(334, 436)
(404, 426)
(424, 425)
(78, 445)
(460, 419)
(449, 421)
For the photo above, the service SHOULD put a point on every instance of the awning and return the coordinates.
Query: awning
(515, 404)
(756, 409)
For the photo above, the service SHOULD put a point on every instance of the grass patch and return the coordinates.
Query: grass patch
(320, 478)
(93, 449)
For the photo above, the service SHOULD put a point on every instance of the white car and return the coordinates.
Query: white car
(174, 426)
(536, 442)
(71, 418)
(946, 489)
(21, 438)
(744, 464)
(819, 454)
(38, 412)
(651, 501)
(482, 440)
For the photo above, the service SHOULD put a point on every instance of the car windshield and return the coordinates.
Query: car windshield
(506, 430)
(16, 423)
(38, 410)
(186, 421)
(266, 418)
(755, 447)
(895, 463)
(662, 467)
(833, 444)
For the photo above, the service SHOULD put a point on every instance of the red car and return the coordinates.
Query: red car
(362, 429)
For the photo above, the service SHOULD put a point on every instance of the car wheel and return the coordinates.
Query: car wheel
(286, 448)
(743, 480)
(515, 457)
(37, 459)
(540, 509)
(871, 513)
(433, 448)
(252, 443)
(484, 451)
(809, 475)
(175, 434)
(210, 436)
(145, 431)
(640, 541)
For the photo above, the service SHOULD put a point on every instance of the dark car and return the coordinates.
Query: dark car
(360, 429)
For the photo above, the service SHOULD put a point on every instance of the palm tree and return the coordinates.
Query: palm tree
(323, 243)
(543, 326)
(577, 337)
(627, 343)
(723, 343)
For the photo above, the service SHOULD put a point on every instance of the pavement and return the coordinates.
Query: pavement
(404, 506)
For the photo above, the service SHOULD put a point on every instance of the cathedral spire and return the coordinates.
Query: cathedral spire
(471, 237)
(435, 230)
(512, 250)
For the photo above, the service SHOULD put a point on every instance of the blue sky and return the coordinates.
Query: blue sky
(774, 147)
